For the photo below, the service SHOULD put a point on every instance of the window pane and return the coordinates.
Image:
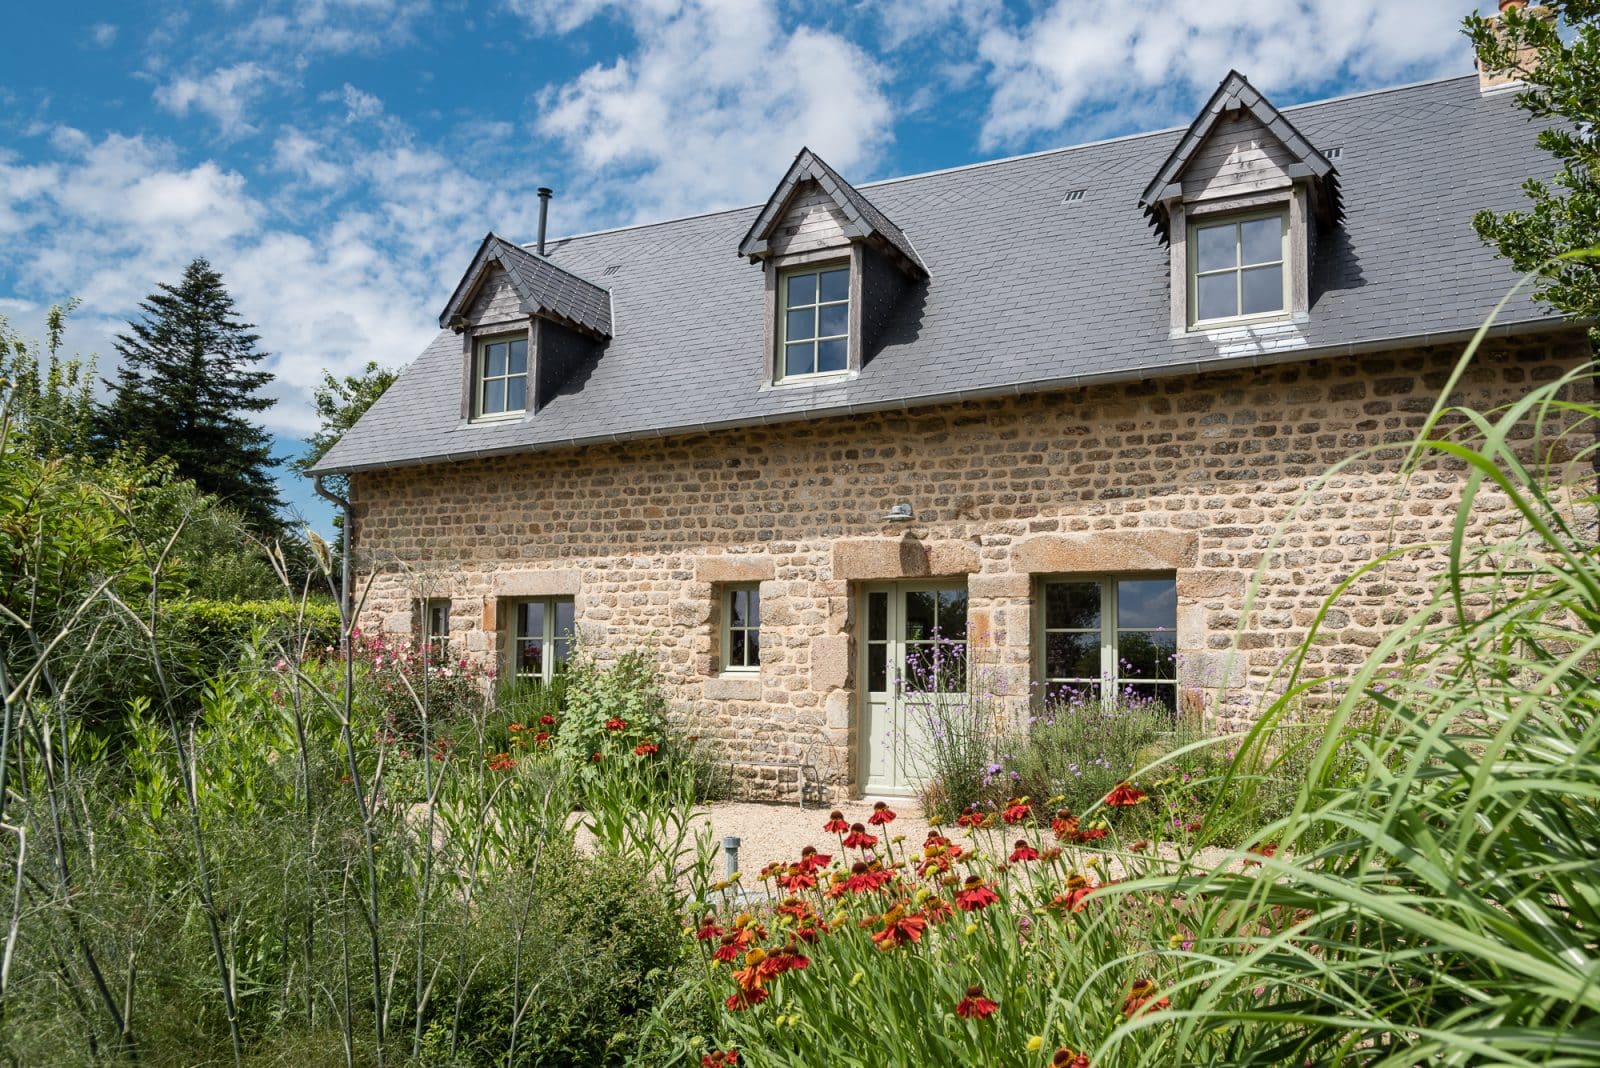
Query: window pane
(877, 616)
(1147, 603)
(836, 284)
(563, 654)
(531, 658)
(752, 648)
(921, 615)
(494, 396)
(797, 325)
(1214, 247)
(833, 355)
(953, 615)
(1072, 693)
(833, 320)
(736, 648)
(1072, 656)
(797, 358)
(530, 619)
(752, 601)
(519, 358)
(1072, 606)
(1217, 297)
(1263, 290)
(494, 363)
(802, 289)
(736, 613)
(564, 620)
(1261, 240)
(1146, 654)
(516, 393)
(877, 667)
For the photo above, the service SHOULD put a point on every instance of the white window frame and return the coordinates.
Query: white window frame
(435, 630)
(1110, 679)
(781, 357)
(725, 639)
(546, 639)
(1284, 262)
(481, 379)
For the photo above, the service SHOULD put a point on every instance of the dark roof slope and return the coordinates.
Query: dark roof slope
(541, 286)
(1026, 292)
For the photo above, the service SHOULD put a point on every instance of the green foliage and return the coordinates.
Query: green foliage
(1562, 85)
(339, 403)
(50, 397)
(609, 710)
(187, 380)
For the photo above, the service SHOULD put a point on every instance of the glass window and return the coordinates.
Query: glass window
(741, 628)
(815, 317)
(1237, 268)
(1110, 637)
(435, 636)
(501, 377)
(542, 642)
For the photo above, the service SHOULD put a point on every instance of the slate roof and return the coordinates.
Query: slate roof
(542, 287)
(1025, 292)
(1237, 92)
(864, 218)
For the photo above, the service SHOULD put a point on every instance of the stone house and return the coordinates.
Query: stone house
(1041, 417)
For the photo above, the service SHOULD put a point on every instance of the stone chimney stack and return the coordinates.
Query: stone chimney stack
(1490, 81)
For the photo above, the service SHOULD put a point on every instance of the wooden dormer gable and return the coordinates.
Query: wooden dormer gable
(1240, 145)
(814, 208)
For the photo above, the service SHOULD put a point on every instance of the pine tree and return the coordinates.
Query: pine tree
(189, 374)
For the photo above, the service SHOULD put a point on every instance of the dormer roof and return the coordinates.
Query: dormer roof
(1236, 95)
(542, 288)
(863, 220)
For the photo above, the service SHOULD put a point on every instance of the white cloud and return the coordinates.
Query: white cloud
(302, 156)
(225, 94)
(302, 28)
(712, 106)
(102, 35)
(1145, 62)
(359, 105)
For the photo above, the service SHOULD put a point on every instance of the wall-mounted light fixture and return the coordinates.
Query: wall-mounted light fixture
(899, 513)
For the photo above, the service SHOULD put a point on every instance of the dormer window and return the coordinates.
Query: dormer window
(1238, 268)
(501, 378)
(815, 317)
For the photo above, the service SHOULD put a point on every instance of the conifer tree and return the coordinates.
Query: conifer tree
(189, 376)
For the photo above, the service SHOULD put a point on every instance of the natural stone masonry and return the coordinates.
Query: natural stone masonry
(1191, 477)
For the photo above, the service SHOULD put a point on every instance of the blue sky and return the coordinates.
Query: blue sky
(338, 160)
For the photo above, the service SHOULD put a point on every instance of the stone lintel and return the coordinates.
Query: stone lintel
(544, 582)
(1113, 550)
(734, 569)
(869, 559)
(733, 687)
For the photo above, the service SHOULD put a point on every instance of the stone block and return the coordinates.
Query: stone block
(997, 587)
(734, 568)
(733, 687)
(830, 662)
(871, 559)
(1202, 583)
(397, 623)
(544, 582)
(1112, 550)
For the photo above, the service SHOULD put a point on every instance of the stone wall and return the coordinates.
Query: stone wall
(1192, 477)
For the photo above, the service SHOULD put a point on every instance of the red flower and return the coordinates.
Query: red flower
(1023, 851)
(1093, 834)
(516, 727)
(1016, 810)
(708, 931)
(716, 1059)
(787, 959)
(1142, 998)
(1078, 888)
(1065, 1058)
(880, 815)
(898, 929)
(595, 758)
(836, 823)
(1268, 850)
(975, 820)
(937, 910)
(863, 878)
(1065, 826)
(975, 1006)
(975, 894)
(646, 749)
(541, 738)
(812, 861)
(501, 761)
(1123, 795)
(743, 999)
(615, 724)
(858, 838)
(547, 721)
(797, 879)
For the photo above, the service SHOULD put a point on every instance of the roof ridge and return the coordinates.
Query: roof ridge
(978, 164)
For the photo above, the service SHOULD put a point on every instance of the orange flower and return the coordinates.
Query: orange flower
(516, 727)
(547, 721)
(645, 749)
(858, 838)
(1123, 795)
(1065, 826)
(880, 815)
(975, 1006)
(812, 861)
(1142, 998)
(501, 761)
(836, 823)
(797, 879)
(1065, 1058)
(898, 928)
(1078, 888)
(720, 1059)
(1017, 810)
(743, 999)
(975, 894)
(1024, 851)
